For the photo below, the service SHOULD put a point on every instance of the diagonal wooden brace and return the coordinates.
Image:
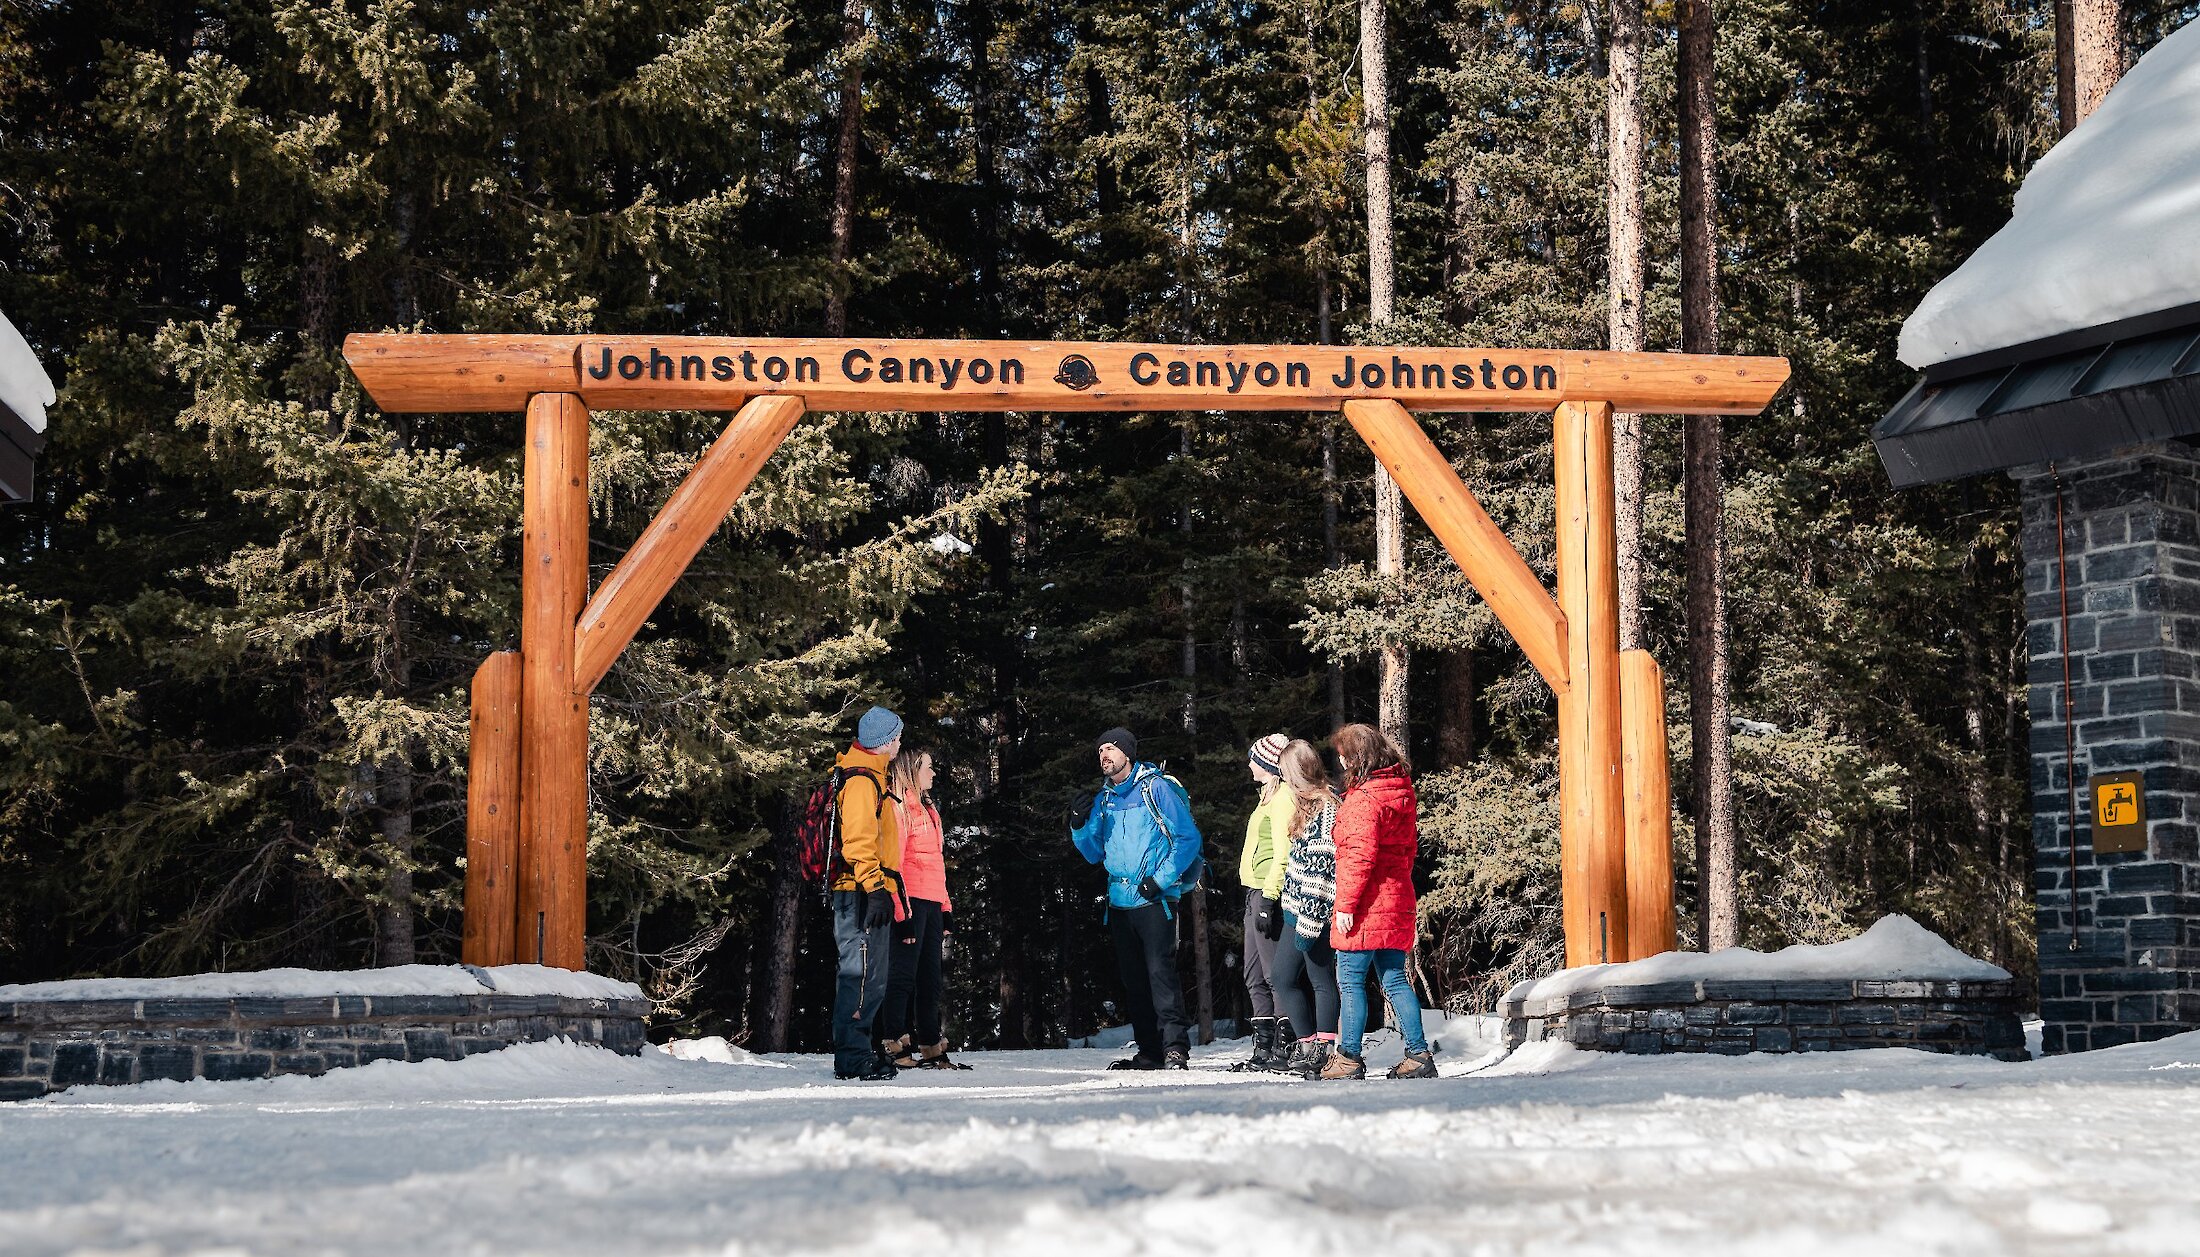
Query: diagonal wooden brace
(1474, 541)
(627, 597)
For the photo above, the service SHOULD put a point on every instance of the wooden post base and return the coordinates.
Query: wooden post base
(492, 813)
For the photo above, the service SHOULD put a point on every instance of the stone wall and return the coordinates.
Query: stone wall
(1731, 1018)
(2131, 541)
(47, 1045)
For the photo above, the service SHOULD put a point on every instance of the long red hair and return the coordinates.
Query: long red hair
(1364, 750)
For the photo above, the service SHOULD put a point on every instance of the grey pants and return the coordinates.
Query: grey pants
(1260, 958)
(861, 984)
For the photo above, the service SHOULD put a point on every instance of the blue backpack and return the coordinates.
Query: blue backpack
(1198, 871)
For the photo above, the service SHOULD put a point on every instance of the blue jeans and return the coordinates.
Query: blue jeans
(861, 985)
(1390, 966)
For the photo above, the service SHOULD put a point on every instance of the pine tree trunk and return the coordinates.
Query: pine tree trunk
(2066, 70)
(2097, 54)
(1717, 908)
(393, 792)
(1203, 994)
(844, 164)
(776, 943)
(1389, 503)
(1624, 215)
(1455, 708)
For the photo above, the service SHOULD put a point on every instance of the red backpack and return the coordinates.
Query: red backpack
(817, 834)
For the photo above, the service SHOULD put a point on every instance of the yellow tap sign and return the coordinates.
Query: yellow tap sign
(2119, 813)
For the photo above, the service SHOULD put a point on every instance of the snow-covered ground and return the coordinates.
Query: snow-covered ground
(556, 1148)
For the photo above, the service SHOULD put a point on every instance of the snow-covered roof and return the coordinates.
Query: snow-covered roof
(2106, 227)
(25, 388)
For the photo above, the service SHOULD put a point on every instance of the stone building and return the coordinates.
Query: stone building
(2066, 353)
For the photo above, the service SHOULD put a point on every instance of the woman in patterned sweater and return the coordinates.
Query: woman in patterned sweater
(1309, 889)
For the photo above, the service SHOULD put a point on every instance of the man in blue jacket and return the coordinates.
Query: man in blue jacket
(1139, 826)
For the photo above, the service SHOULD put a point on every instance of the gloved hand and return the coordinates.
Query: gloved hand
(878, 910)
(1268, 919)
(1079, 810)
(1149, 890)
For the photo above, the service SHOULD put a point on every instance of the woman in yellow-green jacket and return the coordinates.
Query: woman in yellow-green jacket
(1260, 871)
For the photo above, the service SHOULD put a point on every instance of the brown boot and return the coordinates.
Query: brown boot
(903, 1056)
(1415, 1065)
(1343, 1064)
(935, 1057)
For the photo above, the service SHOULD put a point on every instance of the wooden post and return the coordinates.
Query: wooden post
(553, 861)
(673, 538)
(492, 813)
(1592, 837)
(1475, 543)
(1649, 806)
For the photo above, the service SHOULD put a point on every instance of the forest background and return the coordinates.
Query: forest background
(238, 622)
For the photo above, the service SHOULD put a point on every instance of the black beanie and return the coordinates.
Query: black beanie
(1122, 739)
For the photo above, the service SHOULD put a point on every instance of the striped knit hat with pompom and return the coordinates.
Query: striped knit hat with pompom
(1267, 754)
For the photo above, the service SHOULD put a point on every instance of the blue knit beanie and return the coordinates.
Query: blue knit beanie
(878, 727)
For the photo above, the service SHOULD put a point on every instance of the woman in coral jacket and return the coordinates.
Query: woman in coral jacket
(909, 1022)
(1374, 922)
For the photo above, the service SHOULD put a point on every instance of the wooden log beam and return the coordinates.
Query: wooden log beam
(1473, 540)
(553, 891)
(1592, 828)
(414, 372)
(1649, 806)
(492, 813)
(664, 550)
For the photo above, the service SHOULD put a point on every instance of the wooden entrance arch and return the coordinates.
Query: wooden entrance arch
(527, 805)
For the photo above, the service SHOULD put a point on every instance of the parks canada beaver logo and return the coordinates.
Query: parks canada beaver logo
(1077, 373)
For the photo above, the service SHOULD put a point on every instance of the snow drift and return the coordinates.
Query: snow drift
(1894, 948)
(314, 983)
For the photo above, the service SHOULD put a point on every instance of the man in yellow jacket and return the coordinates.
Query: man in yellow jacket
(867, 897)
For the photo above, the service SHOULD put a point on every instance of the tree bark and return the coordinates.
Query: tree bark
(2097, 53)
(844, 164)
(1717, 909)
(1203, 994)
(1624, 214)
(773, 987)
(2066, 70)
(1389, 502)
(1455, 703)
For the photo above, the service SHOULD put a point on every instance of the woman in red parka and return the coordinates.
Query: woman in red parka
(1374, 923)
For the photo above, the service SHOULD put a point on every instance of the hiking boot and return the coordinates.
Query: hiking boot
(899, 1052)
(1138, 1062)
(1342, 1065)
(1415, 1065)
(1307, 1060)
(935, 1057)
(1264, 1047)
(1177, 1058)
(880, 1068)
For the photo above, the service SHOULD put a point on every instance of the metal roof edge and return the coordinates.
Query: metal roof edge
(2063, 343)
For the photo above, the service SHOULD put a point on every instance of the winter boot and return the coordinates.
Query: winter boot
(1279, 1057)
(1343, 1065)
(899, 1051)
(935, 1057)
(880, 1068)
(1264, 1047)
(1177, 1058)
(1308, 1058)
(1139, 1062)
(1415, 1065)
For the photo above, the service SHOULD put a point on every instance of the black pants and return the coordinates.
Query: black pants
(913, 981)
(1145, 953)
(1311, 959)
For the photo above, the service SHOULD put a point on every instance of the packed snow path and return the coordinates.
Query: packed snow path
(555, 1148)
